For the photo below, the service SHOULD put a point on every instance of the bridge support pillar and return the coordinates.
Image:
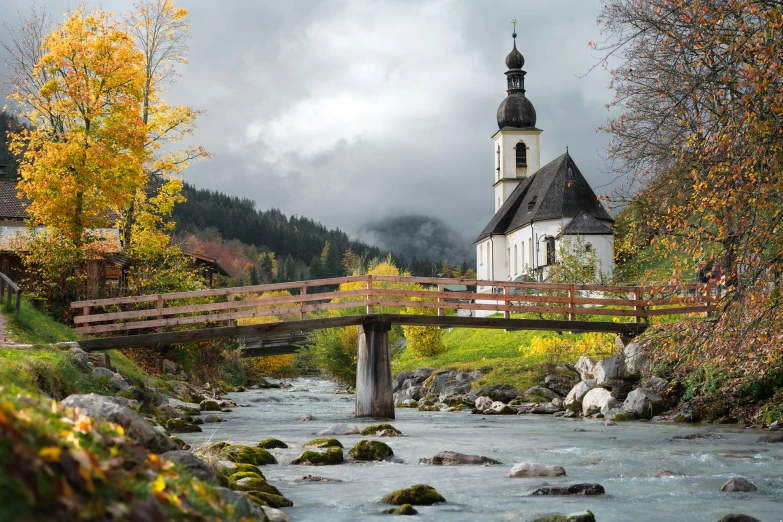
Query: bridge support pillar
(373, 372)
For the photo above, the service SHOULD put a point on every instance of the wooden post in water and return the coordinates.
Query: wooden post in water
(373, 372)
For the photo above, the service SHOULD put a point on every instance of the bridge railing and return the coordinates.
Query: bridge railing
(226, 306)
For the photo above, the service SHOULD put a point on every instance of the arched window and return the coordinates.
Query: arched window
(516, 260)
(521, 149)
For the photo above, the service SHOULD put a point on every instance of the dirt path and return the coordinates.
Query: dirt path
(5, 340)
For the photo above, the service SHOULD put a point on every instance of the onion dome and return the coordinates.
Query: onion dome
(516, 110)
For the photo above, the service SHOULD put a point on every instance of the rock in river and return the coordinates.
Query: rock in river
(325, 442)
(329, 457)
(339, 429)
(371, 450)
(582, 516)
(381, 430)
(405, 509)
(191, 463)
(643, 403)
(418, 495)
(738, 485)
(528, 469)
(597, 400)
(272, 444)
(451, 458)
(576, 489)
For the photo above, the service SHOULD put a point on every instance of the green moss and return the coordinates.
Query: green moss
(622, 417)
(253, 484)
(418, 495)
(272, 444)
(381, 430)
(326, 442)
(244, 474)
(371, 450)
(268, 499)
(210, 405)
(181, 426)
(179, 442)
(405, 509)
(329, 457)
(585, 516)
(243, 468)
(247, 455)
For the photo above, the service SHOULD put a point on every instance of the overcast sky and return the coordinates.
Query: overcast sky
(352, 111)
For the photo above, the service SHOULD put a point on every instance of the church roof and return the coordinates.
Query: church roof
(585, 224)
(555, 191)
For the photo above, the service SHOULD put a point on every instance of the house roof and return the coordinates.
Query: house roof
(585, 224)
(11, 207)
(556, 190)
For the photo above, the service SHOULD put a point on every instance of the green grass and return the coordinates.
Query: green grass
(502, 356)
(35, 327)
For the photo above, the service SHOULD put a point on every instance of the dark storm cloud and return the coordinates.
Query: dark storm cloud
(354, 111)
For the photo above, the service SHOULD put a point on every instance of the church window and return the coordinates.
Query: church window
(521, 159)
(550, 250)
(516, 260)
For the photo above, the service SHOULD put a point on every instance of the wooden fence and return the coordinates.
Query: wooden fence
(7, 285)
(226, 306)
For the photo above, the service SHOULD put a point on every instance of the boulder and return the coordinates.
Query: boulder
(272, 444)
(576, 489)
(502, 409)
(618, 388)
(560, 383)
(597, 400)
(738, 518)
(546, 408)
(483, 403)
(657, 385)
(275, 515)
(451, 458)
(170, 367)
(247, 482)
(339, 429)
(418, 495)
(381, 430)
(246, 455)
(423, 373)
(528, 469)
(399, 379)
(573, 400)
(268, 499)
(405, 509)
(181, 426)
(501, 392)
(103, 373)
(609, 369)
(582, 516)
(558, 403)
(213, 418)
(209, 405)
(135, 426)
(100, 359)
(326, 442)
(243, 508)
(738, 485)
(330, 457)
(187, 461)
(775, 438)
(635, 361)
(79, 358)
(307, 417)
(643, 403)
(538, 391)
(585, 366)
(371, 450)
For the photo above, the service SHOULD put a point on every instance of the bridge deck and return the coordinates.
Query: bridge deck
(154, 339)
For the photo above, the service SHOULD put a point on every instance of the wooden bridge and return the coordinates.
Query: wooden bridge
(374, 303)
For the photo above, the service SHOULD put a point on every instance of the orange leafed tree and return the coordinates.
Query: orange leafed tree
(84, 152)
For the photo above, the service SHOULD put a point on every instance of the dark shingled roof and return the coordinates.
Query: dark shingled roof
(556, 191)
(11, 207)
(585, 224)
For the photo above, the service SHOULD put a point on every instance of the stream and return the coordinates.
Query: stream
(625, 459)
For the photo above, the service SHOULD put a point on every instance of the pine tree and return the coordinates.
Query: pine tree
(254, 280)
(289, 268)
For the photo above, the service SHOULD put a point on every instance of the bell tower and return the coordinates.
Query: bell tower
(516, 144)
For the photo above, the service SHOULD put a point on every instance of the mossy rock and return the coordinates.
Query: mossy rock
(623, 417)
(248, 455)
(418, 495)
(253, 484)
(215, 446)
(329, 457)
(268, 499)
(179, 442)
(209, 405)
(405, 509)
(325, 442)
(584, 516)
(272, 444)
(239, 389)
(507, 410)
(382, 430)
(371, 450)
(244, 474)
(181, 426)
(461, 407)
(243, 468)
(428, 407)
(189, 411)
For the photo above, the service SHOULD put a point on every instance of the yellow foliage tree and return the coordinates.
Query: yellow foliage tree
(85, 149)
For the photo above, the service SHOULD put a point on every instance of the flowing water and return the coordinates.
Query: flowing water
(625, 459)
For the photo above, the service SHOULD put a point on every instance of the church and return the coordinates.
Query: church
(538, 210)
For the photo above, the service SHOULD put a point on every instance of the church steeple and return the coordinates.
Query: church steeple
(516, 110)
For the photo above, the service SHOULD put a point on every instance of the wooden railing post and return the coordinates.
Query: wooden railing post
(159, 308)
(637, 295)
(303, 291)
(441, 289)
(231, 296)
(506, 313)
(8, 297)
(370, 307)
(571, 304)
(86, 311)
(18, 303)
(2, 289)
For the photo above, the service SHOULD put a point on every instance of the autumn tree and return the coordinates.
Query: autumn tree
(84, 152)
